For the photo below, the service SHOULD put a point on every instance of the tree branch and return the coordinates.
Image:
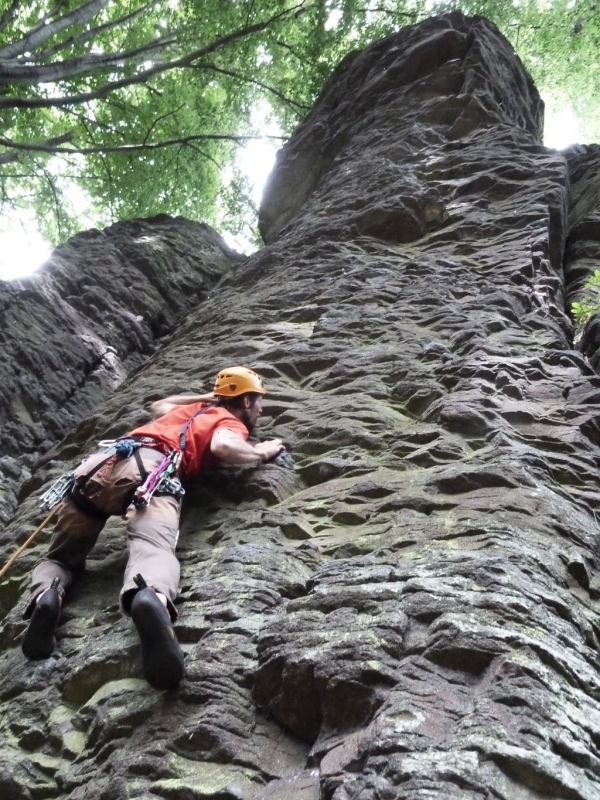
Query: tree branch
(389, 11)
(159, 119)
(85, 36)
(262, 85)
(52, 146)
(289, 48)
(9, 14)
(72, 67)
(204, 155)
(144, 75)
(45, 30)
(57, 209)
(49, 146)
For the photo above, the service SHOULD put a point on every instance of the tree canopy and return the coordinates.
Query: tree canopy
(140, 105)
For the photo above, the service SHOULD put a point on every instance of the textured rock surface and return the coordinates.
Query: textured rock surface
(411, 612)
(72, 332)
(582, 256)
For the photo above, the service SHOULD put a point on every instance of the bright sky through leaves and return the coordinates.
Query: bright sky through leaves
(23, 250)
(130, 108)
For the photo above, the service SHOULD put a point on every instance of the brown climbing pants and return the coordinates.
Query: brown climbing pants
(152, 531)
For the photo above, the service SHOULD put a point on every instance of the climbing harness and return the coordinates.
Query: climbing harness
(162, 480)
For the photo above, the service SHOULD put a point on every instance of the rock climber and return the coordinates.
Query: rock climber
(191, 432)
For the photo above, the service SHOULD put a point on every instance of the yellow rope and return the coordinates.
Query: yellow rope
(14, 557)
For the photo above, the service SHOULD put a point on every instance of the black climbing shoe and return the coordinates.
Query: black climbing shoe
(39, 641)
(162, 658)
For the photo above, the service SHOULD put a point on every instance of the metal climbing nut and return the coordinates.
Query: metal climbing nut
(57, 491)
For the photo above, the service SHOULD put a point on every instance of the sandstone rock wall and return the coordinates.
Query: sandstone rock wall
(582, 253)
(72, 332)
(412, 611)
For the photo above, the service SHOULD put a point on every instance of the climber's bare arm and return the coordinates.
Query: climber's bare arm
(231, 448)
(161, 407)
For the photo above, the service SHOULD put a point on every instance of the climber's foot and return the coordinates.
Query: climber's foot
(39, 641)
(162, 657)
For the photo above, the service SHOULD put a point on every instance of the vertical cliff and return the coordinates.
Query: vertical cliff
(72, 332)
(412, 610)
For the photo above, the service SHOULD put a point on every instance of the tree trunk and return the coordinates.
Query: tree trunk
(412, 611)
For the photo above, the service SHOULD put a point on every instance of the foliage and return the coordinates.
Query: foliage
(559, 43)
(585, 308)
(137, 104)
(134, 107)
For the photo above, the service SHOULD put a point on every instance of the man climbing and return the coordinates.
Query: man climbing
(138, 476)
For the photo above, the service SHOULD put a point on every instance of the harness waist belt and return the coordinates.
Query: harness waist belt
(149, 441)
(85, 505)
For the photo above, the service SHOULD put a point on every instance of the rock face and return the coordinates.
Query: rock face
(582, 255)
(72, 332)
(412, 611)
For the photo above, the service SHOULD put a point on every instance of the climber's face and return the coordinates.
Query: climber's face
(252, 411)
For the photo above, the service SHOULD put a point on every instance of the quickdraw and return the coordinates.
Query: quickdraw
(160, 480)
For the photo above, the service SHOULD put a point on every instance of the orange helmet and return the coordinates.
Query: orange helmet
(237, 380)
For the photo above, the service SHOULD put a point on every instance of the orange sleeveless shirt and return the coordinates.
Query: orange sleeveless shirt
(197, 455)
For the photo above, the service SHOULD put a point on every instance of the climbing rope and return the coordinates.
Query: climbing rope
(26, 544)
